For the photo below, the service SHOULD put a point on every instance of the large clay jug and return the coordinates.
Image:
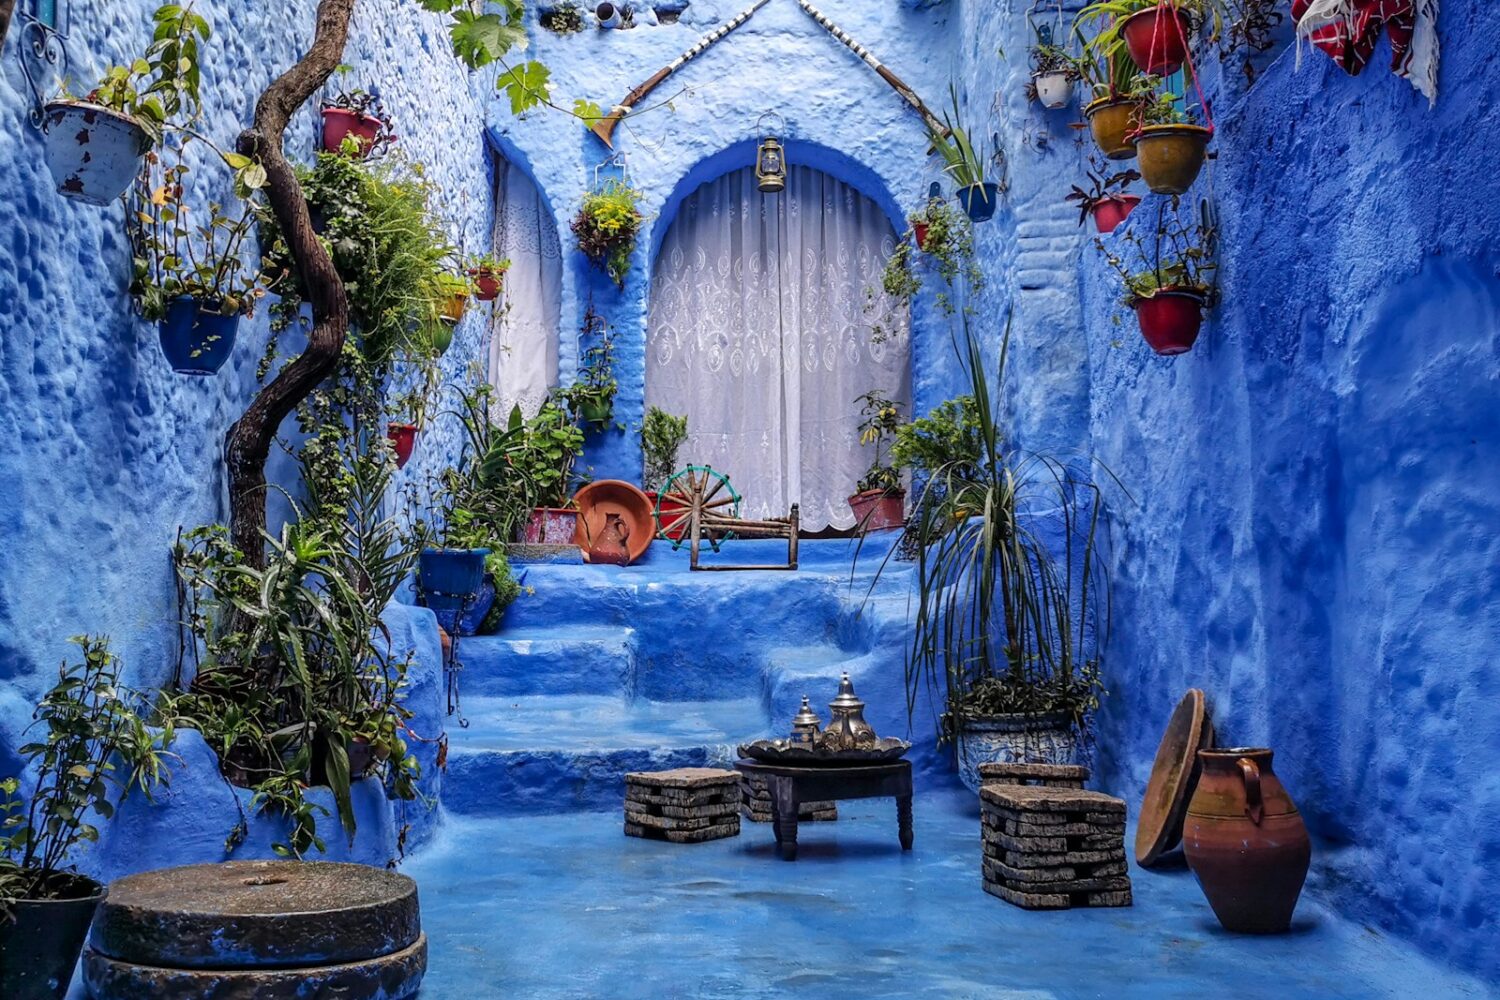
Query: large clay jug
(612, 545)
(1245, 841)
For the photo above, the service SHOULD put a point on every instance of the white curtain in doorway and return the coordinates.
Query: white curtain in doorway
(763, 309)
(523, 335)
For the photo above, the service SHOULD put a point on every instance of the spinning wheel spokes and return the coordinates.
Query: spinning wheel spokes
(695, 489)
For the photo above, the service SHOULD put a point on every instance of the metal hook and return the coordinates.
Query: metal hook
(615, 160)
(780, 129)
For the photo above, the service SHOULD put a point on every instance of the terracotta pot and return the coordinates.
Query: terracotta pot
(919, 230)
(1245, 841)
(1157, 39)
(875, 510)
(1110, 212)
(1054, 89)
(93, 152)
(1170, 156)
(602, 499)
(1111, 121)
(340, 123)
(550, 526)
(403, 440)
(487, 283)
(1170, 319)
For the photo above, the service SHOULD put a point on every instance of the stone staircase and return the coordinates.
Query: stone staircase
(604, 670)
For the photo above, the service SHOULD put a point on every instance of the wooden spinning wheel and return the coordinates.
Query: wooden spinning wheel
(700, 503)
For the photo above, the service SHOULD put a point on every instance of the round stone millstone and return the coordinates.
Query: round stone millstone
(396, 976)
(257, 915)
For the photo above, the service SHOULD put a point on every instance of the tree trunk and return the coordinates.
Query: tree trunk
(249, 441)
(7, 8)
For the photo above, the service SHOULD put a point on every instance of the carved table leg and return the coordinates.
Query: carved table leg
(903, 820)
(784, 814)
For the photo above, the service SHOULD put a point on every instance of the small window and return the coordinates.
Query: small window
(45, 12)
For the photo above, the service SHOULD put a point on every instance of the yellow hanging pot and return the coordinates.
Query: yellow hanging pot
(1111, 120)
(1171, 156)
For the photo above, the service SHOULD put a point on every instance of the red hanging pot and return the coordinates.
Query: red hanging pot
(339, 123)
(1170, 319)
(1157, 39)
(1110, 212)
(487, 283)
(919, 229)
(404, 440)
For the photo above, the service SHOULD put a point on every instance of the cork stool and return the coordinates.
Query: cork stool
(688, 805)
(1052, 846)
(756, 804)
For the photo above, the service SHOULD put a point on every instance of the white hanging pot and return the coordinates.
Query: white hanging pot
(1054, 89)
(93, 152)
(609, 15)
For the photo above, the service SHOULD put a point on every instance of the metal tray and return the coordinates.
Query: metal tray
(787, 752)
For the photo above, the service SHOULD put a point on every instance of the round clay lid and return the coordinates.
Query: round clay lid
(1173, 775)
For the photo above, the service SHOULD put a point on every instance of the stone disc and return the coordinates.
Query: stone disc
(1174, 773)
(257, 915)
(390, 977)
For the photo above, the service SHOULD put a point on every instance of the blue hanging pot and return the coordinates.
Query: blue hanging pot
(979, 200)
(453, 572)
(197, 341)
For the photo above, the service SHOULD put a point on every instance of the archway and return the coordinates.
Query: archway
(523, 340)
(762, 330)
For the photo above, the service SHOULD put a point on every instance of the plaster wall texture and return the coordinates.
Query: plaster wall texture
(109, 451)
(1314, 536)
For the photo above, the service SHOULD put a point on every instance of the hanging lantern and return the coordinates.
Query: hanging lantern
(770, 159)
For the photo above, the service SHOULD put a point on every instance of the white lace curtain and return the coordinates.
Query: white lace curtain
(760, 331)
(523, 341)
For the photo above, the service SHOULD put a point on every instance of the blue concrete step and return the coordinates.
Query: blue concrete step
(578, 659)
(564, 753)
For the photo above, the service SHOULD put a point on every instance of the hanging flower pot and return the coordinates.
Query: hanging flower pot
(875, 510)
(919, 232)
(403, 440)
(1170, 156)
(488, 283)
(1054, 89)
(596, 412)
(1111, 211)
(979, 200)
(93, 152)
(1170, 319)
(195, 339)
(1110, 121)
(1157, 39)
(454, 307)
(341, 123)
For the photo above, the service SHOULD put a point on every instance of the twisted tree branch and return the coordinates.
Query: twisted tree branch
(249, 441)
(7, 9)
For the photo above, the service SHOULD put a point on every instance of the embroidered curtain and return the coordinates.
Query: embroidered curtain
(760, 331)
(523, 334)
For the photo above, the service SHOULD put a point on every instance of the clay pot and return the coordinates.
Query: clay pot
(919, 230)
(609, 546)
(1110, 121)
(487, 283)
(1110, 212)
(875, 510)
(665, 509)
(550, 526)
(1157, 39)
(1245, 841)
(1171, 156)
(1054, 90)
(403, 440)
(340, 123)
(93, 152)
(1170, 319)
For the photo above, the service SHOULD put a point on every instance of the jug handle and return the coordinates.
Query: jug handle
(1254, 805)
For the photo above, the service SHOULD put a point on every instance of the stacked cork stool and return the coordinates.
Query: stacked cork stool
(1048, 843)
(688, 805)
(756, 803)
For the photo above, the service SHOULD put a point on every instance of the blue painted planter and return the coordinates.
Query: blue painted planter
(980, 200)
(94, 153)
(452, 572)
(197, 341)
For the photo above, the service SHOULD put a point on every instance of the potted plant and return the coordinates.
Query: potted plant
(452, 293)
(945, 236)
(1052, 70)
(978, 195)
(879, 500)
(1169, 283)
(1118, 88)
(1169, 147)
(662, 437)
(96, 741)
(606, 227)
(1154, 33)
(190, 277)
(488, 276)
(565, 18)
(94, 146)
(543, 461)
(591, 397)
(356, 125)
(1106, 199)
(1007, 628)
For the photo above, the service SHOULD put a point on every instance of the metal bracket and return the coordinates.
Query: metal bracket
(42, 52)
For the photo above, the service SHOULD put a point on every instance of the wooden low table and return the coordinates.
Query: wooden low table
(792, 786)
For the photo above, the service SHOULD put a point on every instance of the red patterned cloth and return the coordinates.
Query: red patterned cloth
(1348, 31)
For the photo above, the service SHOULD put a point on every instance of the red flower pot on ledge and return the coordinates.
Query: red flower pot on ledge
(666, 508)
(1110, 212)
(875, 510)
(550, 526)
(403, 440)
(1170, 319)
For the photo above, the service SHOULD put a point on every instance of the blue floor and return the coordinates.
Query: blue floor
(567, 906)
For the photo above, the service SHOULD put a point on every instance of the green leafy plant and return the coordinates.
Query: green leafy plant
(1178, 253)
(565, 18)
(879, 422)
(178, 250)
(164, 82)
(591, 397)
(361, 102)
(488, 264)
(1109, 72)
(548, 448)
(507, 590)
(947, 247)
(662, 437)
(949, 437)
(481, 500)
(1049, 57)
(1004, 623)
(97, 748)
(606, 227)
(1163, 108)
(962, 161)
(1103, 186)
